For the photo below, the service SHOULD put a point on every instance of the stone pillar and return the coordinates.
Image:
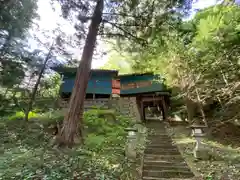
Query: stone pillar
(200, 151)
(131, 145)
(141, 133)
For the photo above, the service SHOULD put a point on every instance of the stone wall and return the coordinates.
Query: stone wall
(125, 106)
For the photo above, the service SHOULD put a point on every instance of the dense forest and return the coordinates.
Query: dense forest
(197, 53)
(200, 60)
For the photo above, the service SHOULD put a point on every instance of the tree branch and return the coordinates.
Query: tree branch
(112, 35)
(122, 24)
(137, 39)
(123, 15)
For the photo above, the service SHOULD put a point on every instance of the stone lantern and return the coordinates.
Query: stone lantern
(200, 151)
(131, 145)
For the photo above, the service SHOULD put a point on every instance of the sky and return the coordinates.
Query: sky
(49, 19)
(201, 4)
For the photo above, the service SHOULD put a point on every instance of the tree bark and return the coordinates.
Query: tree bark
(191, 109)
(201, 108)
(74, 115)
(33, 94)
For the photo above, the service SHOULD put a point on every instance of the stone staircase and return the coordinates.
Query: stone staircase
(162, 160)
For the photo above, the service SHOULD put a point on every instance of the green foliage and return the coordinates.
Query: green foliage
(51, 117)
(102, 131)
(50, 86)
(15, 19)
(200, 58)
(16, 16)
(94, 142)
(27, 151)
(224, 158)
(118, 61)
(19, 115)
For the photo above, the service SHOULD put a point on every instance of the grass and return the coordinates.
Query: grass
(224, 159)
(28, 152)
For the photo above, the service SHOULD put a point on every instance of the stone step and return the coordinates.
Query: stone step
(152, 178)
(162, 153)
(162, 136)
(160, 142)
(155, 178)
(158, 137)
(156, 151)
(161, 158)
(149, 122)
(160, 133)
(165, 146)
(166, 166)
(154, 132)
(167, 174)
(161, 147)
(156, 147)
(157, 133)
(165, 163)
(156, 127)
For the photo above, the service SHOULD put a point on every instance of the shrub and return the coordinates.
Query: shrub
(27, 153)
(20, 115)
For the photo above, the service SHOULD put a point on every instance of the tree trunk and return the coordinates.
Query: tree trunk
(15, 100)
(74, 115)
(190, 105)
(201, 108)
(35, 88)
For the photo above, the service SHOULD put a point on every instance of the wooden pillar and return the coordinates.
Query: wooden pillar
(165, 110)
(139, 107)
(144, 118)
(142, 112)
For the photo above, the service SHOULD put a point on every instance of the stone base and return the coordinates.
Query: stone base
(201, 154)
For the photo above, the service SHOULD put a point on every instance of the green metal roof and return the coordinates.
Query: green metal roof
(135, 74)
(73, 70)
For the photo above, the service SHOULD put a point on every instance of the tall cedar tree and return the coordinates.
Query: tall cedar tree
(125, 20)
(16, 17)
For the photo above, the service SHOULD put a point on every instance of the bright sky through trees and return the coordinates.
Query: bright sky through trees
(49, 19)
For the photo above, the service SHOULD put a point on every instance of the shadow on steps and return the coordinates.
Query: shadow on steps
(162, 158)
